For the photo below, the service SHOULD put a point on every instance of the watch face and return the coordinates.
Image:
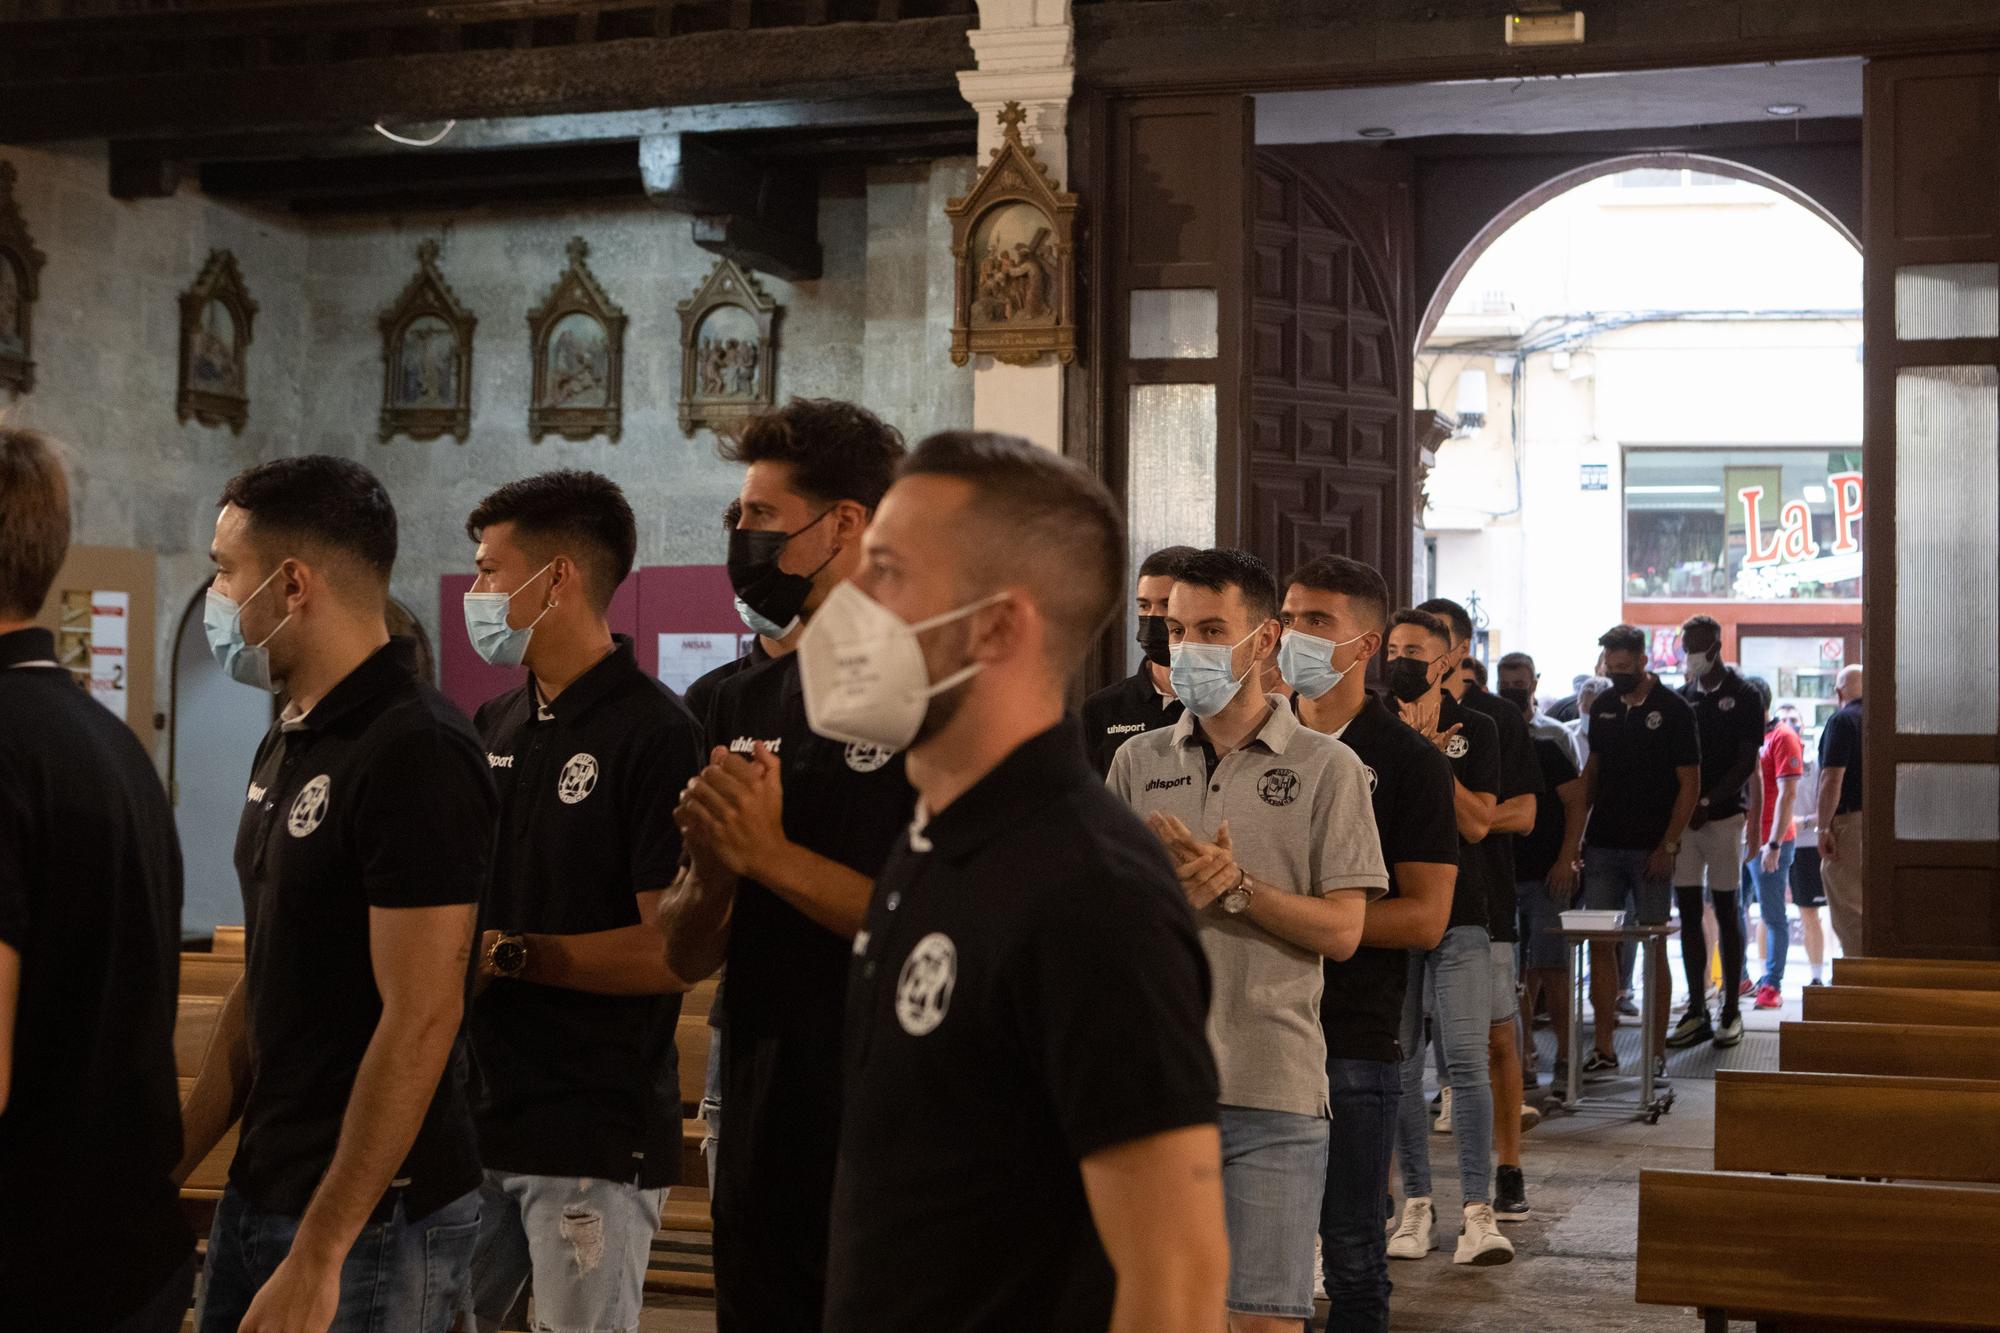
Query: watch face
(1235, 901)
(508, 956)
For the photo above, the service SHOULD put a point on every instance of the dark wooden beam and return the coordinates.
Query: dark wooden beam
(485, 177)
(765, 217)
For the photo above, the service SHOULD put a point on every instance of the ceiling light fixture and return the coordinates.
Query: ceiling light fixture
(431, 142)
(1378, 132)
(1783, 109)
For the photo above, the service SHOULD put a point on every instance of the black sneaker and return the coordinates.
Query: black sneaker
(1531, 1079)
(1510, 1195)
(1693, 1029)
(1599, 1065)
(1559, 1081)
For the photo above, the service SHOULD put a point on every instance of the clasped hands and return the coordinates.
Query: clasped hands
(1207, 870)
(732, 814)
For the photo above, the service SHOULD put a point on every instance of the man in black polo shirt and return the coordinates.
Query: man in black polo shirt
(1513, 816)
(1838, 808)
(785, 831)
(1145, 700)
(1729, 719)
(1030, 1132)
(1335, 615)
(1642, 780)
(90, 910)
(366, 837)
(1453, 982)
(576, 1090)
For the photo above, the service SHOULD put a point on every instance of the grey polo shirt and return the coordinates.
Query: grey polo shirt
(1301, 821)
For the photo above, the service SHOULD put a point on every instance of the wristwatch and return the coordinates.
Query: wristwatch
(1238, 898)
(1672, 846)
(509, 955)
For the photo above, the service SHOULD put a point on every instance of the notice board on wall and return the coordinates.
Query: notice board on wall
(101, 612)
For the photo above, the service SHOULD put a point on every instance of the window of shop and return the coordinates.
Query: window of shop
(1764, 525)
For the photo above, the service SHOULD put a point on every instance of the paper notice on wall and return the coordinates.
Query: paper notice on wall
(110, 614)
(686, 658)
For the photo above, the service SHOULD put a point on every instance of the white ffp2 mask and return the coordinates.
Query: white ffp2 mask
(863, 671)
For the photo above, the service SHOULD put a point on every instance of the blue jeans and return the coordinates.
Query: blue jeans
(1771, 902)
(711, 1107)
(1273, 1173)
(584, 1241)
(1361, 1137)
(401, 1276)
(1456, 979)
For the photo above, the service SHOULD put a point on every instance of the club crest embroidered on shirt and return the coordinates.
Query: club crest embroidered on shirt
(309, 807)
(1724, 704)
(1279, 787)
(1653, 721)
(923, 988)
(867, 758)
(1372, 778)
(1456, 747)
(578, 780)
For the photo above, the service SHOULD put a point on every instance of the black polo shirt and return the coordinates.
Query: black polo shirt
(781, 1024)
(567, 1083)
(1409, 780)
(90, 898)
(1117, 713)
(1475, 762)
(700, 696)
(1637, 751)
(378, 798)
(1840, 747)
(1028, 992)
(1536, 855)
(1727, 718)
(1520, 775)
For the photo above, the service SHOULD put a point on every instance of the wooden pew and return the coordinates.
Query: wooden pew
(1801, 1256)
(229, 941)
(209, 974)
(1911, 1050)
(194, 1024)
(1901, 1004)
(1945, 1129)
(699, 1002)
(1918, 973)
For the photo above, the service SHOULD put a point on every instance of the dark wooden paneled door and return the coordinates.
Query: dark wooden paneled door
(1932, 455)
(1330, 467)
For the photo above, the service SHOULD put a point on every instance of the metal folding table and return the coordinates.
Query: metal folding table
(1656, 1096)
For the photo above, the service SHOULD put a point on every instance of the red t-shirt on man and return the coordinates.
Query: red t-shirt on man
(1783, 756)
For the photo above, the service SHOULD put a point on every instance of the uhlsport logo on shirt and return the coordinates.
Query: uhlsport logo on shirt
(578, 779)
(1457, 746)
(867, 758)
(309, 809)
(1279, 787)
(923, 988)
(1168, 784)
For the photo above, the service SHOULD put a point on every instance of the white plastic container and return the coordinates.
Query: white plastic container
(1582, 920)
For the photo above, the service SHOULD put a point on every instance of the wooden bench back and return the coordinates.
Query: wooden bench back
(209, 974)
(1820, 1254)
(1858, 1125)
(194, 1024)
(1912, 1050)
(1920, 973)
(1901, 1004)
(229, 941)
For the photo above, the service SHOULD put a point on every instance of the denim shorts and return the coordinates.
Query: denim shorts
(1614, 880)
(584, 1243)
(1273, 1178)
(1506, 984)
(1541, 924)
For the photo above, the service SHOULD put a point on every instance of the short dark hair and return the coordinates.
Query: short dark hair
(34, 520)
(568, 506)
(1222, 567)
(1424, 621)
(837, 450)
(1050, 521)
(1360, 584)
(1166, 560)
(1477, 668)
(1517, 660)
(1452, 614)
(1623, 639)
(333, 502)
(1706, 622)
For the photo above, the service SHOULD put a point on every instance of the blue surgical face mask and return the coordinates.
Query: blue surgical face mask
(1204, 676)
(751, 620)
(222, 622)
(497, 642)
(1306, 662)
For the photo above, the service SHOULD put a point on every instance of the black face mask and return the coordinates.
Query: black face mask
(1625, 682)
(1153, 638)
(1408, 678)
(756, 578)
(1521, 699)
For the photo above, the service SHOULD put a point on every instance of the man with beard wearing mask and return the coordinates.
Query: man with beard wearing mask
(363, 850)
(785, 831)
(1029, 1137)
(1452, 983)
(1145, 700)
(1270, 825)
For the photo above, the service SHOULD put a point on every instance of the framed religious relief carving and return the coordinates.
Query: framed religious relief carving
(577, 338)
(216, 314)
(427, 358)
(1012, 249)
(20, 283)
(729, 351)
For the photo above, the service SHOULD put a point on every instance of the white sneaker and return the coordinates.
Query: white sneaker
(1442, 1125)
(1481, 1242)
(1412, 1238)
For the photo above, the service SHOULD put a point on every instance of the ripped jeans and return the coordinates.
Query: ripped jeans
(584, 1241)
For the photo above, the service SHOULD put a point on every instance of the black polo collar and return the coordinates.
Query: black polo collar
(33, 644)
(392, 665)
(1037, 773)
(614, 669)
